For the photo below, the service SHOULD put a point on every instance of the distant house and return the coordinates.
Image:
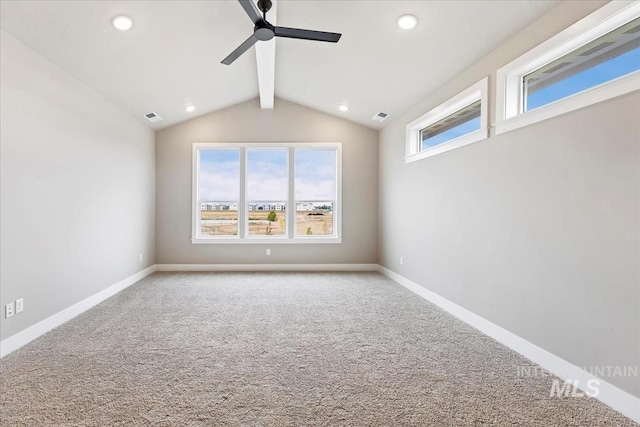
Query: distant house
(258, 206)
(208, 206)
(216, 206)
(305, 207)
(213, 206)
(277, 207)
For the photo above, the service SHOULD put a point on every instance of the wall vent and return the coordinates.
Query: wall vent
(153, 117)
(380, 116)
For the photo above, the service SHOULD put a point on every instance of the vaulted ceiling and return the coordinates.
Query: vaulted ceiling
(171, 57)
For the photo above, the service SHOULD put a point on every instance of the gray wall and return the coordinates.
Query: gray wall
(246, 122)
(535, 230)
(78, 189)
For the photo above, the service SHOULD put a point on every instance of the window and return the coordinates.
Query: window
(458, 122)
(219, 190)
(267, 191)
(245, 193)
(315, 191)
(595, 59)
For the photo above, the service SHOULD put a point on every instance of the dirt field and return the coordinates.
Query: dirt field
(224, 223)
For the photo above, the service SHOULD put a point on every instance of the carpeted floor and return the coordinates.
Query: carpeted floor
(277, 349)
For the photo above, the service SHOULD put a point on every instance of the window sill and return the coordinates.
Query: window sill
(266, 241)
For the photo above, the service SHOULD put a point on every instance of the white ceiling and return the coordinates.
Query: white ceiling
(171, 57)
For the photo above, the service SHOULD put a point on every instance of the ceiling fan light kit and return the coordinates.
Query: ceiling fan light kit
(264, 31)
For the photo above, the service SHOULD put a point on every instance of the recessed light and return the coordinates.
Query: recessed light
(189, 108)
(122, 23)
(343, 108)
(407, 22)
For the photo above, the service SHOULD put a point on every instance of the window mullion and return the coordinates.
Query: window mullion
(242, 203)
(291, 203)
(196, 195)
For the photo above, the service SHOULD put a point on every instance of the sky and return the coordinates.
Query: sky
(267, 175)
(315, 172)
(455, 132)
(219, 178)
(609, 70)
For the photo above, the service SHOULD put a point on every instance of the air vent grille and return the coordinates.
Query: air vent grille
(380, 116)
(153, 117)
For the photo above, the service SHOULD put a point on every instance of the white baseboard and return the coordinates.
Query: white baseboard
(267, 267)
(623, 402)
(27, 335)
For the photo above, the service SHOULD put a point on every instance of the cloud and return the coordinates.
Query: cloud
(312, 190)
(262, 187)
(219, 178)
(219, 186)
(315, 174)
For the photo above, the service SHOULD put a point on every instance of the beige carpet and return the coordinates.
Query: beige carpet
(277, 349)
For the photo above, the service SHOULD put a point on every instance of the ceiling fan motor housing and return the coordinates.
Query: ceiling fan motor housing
(264, 31)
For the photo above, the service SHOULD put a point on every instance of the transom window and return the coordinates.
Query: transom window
(596, 59)
(606, 58)
(259, 193)
(459, 121)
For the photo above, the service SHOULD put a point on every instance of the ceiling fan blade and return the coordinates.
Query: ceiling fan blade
(297, 33)
(252, 10)
(240, 50)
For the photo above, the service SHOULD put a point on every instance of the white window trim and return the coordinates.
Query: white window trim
(509, 107)
(290, 238)
(474, 93)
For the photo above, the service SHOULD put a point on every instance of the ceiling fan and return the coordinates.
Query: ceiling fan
(264, 31)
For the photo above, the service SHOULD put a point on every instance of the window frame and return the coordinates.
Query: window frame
(510, 114)
(243, 237)
(474, 93)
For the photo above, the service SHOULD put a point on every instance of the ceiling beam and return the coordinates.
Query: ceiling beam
(266, 60)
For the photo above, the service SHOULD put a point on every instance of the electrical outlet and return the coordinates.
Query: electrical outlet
(9, 310)
(268, 251)
(19, 305)
(401, 260)
(140, 257)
